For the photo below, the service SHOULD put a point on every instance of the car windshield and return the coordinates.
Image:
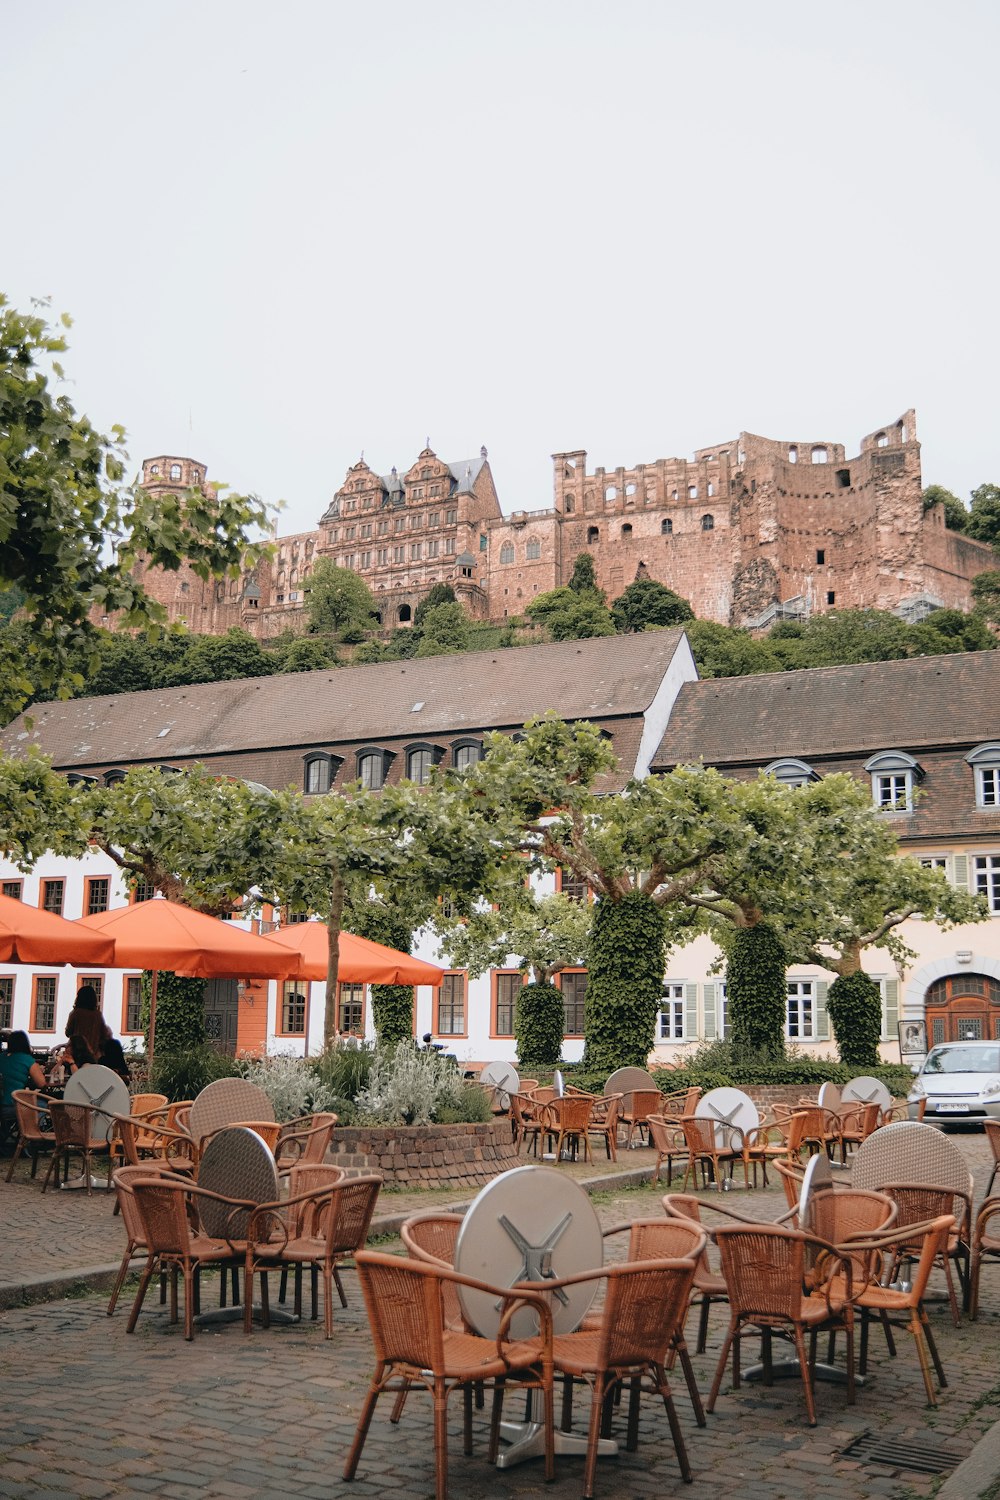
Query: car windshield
(963, 1060)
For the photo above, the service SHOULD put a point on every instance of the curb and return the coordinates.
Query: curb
(977, 1473)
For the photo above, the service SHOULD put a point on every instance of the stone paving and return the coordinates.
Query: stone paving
(92, 1412)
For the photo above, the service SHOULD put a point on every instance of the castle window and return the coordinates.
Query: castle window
(831, 597)
(692, 492)
(611, 493)
(708, 523)
(533, 550)
(882, 440)
(626, 531)
(820, 556)
(373, 765)
(434, 519)
(433, 548)
(793, 455)
(399, 554)
(507, 554)
(630, 489)
(154, 468)
(673, 494)
(483, 541)
(570, 506)
(666, 526)
(175, 471)
(843, 479)
(415, 550)
(902, 432)
(650, 497)
(195, 475)
(399, 523)
(894, 774)
(820, 454)
(985, 763)
(711, 490)
(593, 535)
(451, 518)
(405, 614)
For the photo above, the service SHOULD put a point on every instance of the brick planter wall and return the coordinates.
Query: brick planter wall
(427, 1155)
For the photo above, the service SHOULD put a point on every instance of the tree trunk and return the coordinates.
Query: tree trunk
(331, 1031)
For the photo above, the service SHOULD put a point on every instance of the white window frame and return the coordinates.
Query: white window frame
(985, 763)
(800, 998)
(986, 875)
(670, 1020)
(893, 775)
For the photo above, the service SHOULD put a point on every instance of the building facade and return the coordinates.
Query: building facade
(747, 531)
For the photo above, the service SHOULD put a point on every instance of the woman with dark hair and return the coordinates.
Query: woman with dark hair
(18, 1070)
(76, 1053)
(113, 1057)
(85, 1020)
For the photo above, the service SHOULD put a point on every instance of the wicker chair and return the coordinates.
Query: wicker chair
(667, 1139)
(306, 1177)
(883, 1301)
(636, 1110)
(992, 1129)
(605, 1115)
(985, 1248)
(567, 1123)
(526, 1116)
(704, 1149)
(268, 1130)
(135, 1230)
(640, 1322)
(304, 1142)
(74, 1132)
(770, 1273)
(857, 1121)
(414, 1347)
(166, 1206)
(30, 1107)
(918, 1202)
(330, 1224)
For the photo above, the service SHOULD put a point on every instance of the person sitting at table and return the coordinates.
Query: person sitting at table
(18, 1070)
(76, 1054)
(85, 1020)
(113, 1057)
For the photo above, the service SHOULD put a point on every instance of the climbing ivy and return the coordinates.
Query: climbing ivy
(538, 1025)
(180, 1012)
(392, 1004)
(756, 992)
(854, 1005)
(627, 958)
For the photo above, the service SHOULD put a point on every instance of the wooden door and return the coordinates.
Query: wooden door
(963, 1007)
(221, 1011)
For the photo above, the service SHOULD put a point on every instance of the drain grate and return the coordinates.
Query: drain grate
(918, 1458)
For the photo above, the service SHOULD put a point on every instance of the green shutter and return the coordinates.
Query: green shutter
(960, 871)
(711, 1019)
(890, 1000)
(822, 1026)
(690, 1012)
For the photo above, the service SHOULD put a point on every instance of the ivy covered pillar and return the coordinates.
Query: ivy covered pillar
(625, 984)
(538, 1025)
(854, 1005)
(756, 992)
(392, 1004)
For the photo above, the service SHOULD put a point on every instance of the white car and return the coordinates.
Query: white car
(960, 1081)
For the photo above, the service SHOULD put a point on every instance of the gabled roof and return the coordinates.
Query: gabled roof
(615, 677)
(830, 711)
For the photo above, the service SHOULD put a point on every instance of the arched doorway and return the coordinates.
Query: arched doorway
(963, 1007)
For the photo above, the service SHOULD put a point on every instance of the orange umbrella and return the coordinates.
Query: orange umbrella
(160, 934)
(29, 935)
(361, 960)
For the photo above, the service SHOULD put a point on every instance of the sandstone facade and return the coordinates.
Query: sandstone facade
(747, 531)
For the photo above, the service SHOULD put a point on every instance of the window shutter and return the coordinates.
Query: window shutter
(711, 1019)
(890, 994)
(822, 1027)
(690, 1012)
(960, 871)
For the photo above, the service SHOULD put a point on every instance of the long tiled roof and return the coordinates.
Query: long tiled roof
(613, 677)
(830, 711)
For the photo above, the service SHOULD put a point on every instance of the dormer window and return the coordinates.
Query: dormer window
(791, 772)
(321, 772)
(894, 776)
(466, 753)
(112, 778)
(373, 767)
(985, 763)
(420, 759)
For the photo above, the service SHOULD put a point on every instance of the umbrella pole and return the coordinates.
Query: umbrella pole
(305, 1039)
(152, 1018)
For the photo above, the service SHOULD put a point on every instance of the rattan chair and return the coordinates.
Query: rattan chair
(306, 1177)
(31, 1107)
(637, 1107)
(415, 1348)
(304, 1142)
(641, 1318)
(135, 1230)
(73, 1126)
(268, 1130)
(331, 1224)
(667, 1139)
(605, 1115)
(526, 1117)
(918, 1202)
(985, 1248)
(567, 1121)
(711, 1144)
(880, 1301)
(992, 1130)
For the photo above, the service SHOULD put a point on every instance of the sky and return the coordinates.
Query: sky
(289, 234)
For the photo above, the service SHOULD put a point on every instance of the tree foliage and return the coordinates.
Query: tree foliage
(583, 579)
(538, 1026)
(756, 961)
(627, 957)
(983, 524)
(445, 629)
(339, 602)
(854, 1005)
(646, 603)
(439, 593)
(986, 594)
(71, 532)
(956, 515)
(572, 615)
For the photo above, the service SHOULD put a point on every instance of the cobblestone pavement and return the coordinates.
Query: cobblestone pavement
(92, 1412)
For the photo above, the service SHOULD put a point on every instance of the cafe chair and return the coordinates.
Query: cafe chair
(712, 1147)
(637, 1107)
(268, 1130)
(304, 1142)
(709, 1287)
(567, 1123)
(31, 1108)
(329, 1225)
(629, 1344)
(667, 1139)
(73, 1126)
(918, 1202)
(992, 1131)
(167, 1207)
(135, 1230)
(772, 1276)
(416, 1349)
(605, 1115)
(526, 1120)
(306, 1177)
(985, 1248)
(876, 1300)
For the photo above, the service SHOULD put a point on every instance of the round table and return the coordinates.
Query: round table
(865, 1090)
(628, 1080)
(238, 1164)
(502, 1077)
(228, 1101)
(910, 1151)
(734, 1110)
(105, 1092)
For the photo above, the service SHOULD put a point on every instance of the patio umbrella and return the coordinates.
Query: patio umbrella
(160, 934)
(29, 935)
(361, 960)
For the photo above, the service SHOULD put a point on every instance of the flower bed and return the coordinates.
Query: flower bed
(427, 1155)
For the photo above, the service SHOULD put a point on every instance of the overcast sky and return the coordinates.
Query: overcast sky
(291, 232)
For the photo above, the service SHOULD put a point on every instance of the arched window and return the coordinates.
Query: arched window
(791, 772)
(708, 523)
(692, 492)
(321, 772)
(881, 440)
(373, 764)
(111, 778)
(405, 614)
(630, 489)
(533, 550)
(894, 775)
(569, 505)
(985, 763)
(793, 454)
(175, 471)
(626, 531)
(593, 535)
(419, 760)
(466, 753)
(611, 493)
(711, 490)
(819, 454)
(507, 554)
(666, 526)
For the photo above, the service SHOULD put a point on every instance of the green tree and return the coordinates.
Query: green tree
(305, 653)
(956, 515)
(946, 630)
(983, 524)
(840, 638)
(722, 651)
(571, 615)
(440, 593)
(986, 596)
(445, 629)
(375, 651)
(220, 658)
(647, 603)
(339, 602)
(71, 533)
(583, 579)
(39, 810)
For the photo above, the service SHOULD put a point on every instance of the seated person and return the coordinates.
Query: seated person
(18, 1070)
(113, 1057)
(76, 1054)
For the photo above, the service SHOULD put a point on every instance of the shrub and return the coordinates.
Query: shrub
(342, 1072)
(291, 1085)
(473, 1107)
(408, 1086)
(182, 1072)
(538, 1025)
(180, 1013)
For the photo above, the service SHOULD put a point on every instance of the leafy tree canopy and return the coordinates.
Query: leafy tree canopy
(956, 515)
(646, 602)
(583, 579)
(440, 593)
(723, 651)
(71, 531)
(218, 658)
(445, 629)
(304, 653)
(339, 602)
(840, 638)
(983, 524)
(986, 593)
(541, 935)
(572, 615)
